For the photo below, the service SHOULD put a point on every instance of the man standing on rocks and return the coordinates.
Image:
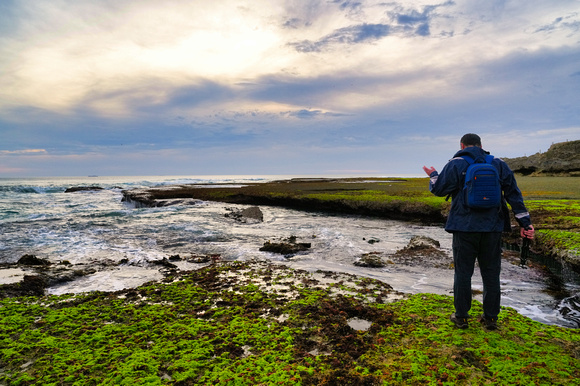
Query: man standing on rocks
(476, 231)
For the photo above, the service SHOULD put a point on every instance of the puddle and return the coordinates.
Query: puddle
(359, 324)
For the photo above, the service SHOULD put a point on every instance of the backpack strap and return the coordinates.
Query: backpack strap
(469, 159)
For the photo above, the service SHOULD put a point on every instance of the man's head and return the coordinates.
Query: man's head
(470, 140)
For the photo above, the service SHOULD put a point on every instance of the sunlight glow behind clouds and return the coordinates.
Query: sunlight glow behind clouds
(77, 76)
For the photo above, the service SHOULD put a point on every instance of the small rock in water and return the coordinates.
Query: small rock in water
(371, 259)
(164, 263)
(287, 247)
(372, 240)
(422, 251)
(32, 260)
(82, 189)
(252, 214)
(420, 242)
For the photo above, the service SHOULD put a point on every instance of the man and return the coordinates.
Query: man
(477, 232)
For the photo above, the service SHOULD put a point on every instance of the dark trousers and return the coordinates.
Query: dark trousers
(485, 247)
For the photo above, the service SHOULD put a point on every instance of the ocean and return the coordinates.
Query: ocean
(122, 242)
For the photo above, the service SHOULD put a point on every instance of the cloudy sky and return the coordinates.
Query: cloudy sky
(175, 87)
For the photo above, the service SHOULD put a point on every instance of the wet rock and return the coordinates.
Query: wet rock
(164, 263)
(63, 275)
(287, 248)
(372, 240)
(422, 251)
(422, 242)
(32, 260)
(371, 259)
(176, 201)
(204, 258)
(31, 285)
(251, 214)
(159, 197)
(82, 188)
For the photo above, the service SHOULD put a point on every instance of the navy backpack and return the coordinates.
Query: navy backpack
(482, 188)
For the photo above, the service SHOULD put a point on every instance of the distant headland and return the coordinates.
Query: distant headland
(561, 159)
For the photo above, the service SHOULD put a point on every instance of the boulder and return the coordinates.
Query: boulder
(251, 214)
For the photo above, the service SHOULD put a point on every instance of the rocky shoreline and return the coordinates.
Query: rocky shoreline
(395, 199)
(40, 274)
(401, 201)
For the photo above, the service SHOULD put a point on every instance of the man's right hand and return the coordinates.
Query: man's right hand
(528, 232)
(429, 170)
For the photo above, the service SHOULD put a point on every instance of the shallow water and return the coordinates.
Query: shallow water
(37, 217)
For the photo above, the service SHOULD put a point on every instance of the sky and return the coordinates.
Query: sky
(284, 87)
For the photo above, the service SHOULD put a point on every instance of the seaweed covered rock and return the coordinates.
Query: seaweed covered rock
(422, 242)
(371, 259)
(287, 247)
(423, 251)
(32, 260)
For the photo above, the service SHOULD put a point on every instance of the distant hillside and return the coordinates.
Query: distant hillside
(561, 159)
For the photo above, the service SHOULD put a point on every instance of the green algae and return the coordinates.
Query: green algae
(380, 196)
(560, 240)
(558, 226)
(258, 323)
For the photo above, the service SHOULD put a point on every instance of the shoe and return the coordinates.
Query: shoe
(459, 322)
(489, 323)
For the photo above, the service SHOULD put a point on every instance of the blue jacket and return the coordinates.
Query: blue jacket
(464, 219)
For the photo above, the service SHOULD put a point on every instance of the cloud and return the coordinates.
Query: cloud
(404, 22)
(569, 23)
(364, 33)
(416, 22)
(23, 152)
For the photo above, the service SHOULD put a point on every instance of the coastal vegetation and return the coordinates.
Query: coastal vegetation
(251, 323)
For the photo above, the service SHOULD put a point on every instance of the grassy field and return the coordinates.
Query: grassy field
(552, 188)
(554, 204)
